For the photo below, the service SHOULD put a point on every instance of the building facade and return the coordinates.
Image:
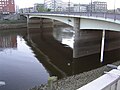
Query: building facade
(26, 10)
(7, 6)
(97, 6)
(38, 7)
(80, 7)
(100, 6)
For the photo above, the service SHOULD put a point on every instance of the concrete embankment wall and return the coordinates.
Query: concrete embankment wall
(12, 26)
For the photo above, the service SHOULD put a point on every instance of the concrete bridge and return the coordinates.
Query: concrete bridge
(81, 22)
(85, 22)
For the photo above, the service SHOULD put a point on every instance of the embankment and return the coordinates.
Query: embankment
(12, 26)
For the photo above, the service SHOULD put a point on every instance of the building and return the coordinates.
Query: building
(117, 11)
(55, 5)
(70, 7)
(80, 7)
(26, 10)
(97, 6)
(7, 6)
(38, 7)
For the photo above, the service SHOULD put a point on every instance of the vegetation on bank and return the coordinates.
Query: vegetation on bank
(12, 21)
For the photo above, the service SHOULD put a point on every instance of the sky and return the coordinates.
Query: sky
(30, 3)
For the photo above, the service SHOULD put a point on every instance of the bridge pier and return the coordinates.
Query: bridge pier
(76, 38)
(77, 49)
(27, 21)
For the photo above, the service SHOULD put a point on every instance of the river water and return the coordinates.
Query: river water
(29, 57)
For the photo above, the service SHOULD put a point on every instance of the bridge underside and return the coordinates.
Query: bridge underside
(82, 23)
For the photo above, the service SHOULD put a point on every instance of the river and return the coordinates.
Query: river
(29, 57)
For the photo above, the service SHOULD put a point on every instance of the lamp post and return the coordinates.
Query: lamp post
(69, 6)
(44, 3)
(114, 10)
(54, 6)
(91, 9)
(79, 7)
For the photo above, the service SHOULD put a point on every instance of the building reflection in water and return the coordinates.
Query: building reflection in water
(8, 42)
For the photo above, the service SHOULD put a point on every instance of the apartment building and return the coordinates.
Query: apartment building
(7, 6)
(97, 6)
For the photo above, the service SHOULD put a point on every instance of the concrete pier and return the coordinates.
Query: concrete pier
(77, 36)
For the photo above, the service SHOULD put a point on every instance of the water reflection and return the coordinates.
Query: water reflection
(58, 55)
(8, 42)
(29, 57)
(64, 35)
(55, 42)
(19, 68)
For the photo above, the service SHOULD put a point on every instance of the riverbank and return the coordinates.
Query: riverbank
(76, 81)
(12, 24)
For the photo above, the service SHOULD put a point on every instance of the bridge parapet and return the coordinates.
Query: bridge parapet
(109, 81)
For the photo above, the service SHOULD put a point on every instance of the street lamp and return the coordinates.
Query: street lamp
(114, 10)
(44, 4)
(69, 6)
(54, 6)
(79, 7)
(91, 9)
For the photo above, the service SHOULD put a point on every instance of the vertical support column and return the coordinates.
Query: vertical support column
(28, 36)
(27, 21)
(102, 46)
(77, 36)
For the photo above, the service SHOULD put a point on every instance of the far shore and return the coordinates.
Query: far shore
(12, 24)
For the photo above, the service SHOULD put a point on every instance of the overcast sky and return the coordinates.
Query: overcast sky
(28, 3)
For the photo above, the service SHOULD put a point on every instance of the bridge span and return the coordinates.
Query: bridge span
(85, 22)
(81, 22)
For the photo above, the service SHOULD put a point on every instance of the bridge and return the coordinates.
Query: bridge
(84, 22)
(79, 22)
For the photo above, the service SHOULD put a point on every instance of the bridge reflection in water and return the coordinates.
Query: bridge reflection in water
(61, 54)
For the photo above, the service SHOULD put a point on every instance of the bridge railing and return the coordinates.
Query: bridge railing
(109, 81)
